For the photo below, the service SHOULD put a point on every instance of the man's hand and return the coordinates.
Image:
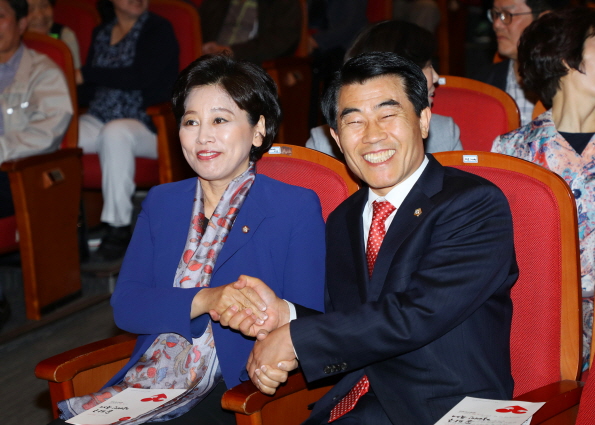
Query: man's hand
(271, 359)
(229, 298)
(277, 309)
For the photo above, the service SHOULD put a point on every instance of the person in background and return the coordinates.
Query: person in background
(412, 42)
(132, 64)
(254, 30)
(194, 238)
(34, 102)
(41, 19)
(556, 58)
(509, 19)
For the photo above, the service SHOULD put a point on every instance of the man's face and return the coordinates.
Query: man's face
(379, 132)
(10, 31)
(508, 35)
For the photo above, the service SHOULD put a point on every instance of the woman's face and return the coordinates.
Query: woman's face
(216, 135)
(131, 8)
(588, 65)
(432, 79)
(40, 17)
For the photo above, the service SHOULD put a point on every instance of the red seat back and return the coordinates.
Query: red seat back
(586, 410)
(186, 22)
(481, 111)
(81, 17)
(545, 334)
(304, 167)
(59, 52)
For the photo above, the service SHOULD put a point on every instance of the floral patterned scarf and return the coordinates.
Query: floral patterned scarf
(171, 361)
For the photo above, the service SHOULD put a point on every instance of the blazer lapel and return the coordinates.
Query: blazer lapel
(411, 213)
(356, 239)
(246, 224)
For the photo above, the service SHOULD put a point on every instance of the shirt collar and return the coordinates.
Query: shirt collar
(14, 62)
(398, 194)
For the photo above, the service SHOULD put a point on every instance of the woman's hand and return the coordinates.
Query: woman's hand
(277, 310)
(229, 298)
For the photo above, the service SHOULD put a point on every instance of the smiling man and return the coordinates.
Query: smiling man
(509, 19)
(419, 268)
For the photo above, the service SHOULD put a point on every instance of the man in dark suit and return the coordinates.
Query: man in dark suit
(427, 322)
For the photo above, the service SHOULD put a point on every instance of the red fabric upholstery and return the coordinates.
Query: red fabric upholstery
(81, 17)
(146, 175)
(536, 295)
(8, 231)
(184, 18)
(586, 410)
(379, 10)
(329, 186)
(480, 117)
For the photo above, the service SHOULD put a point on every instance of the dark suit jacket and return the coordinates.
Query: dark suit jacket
(432, 325)
(284, 246)
(279, 28)
(495, 74)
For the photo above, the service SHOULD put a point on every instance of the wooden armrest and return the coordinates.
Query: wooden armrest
(247, 399)
(64, 367)
(22, 163)
(558, 397)
(159, 109)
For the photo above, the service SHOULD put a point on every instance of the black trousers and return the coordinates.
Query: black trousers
(6, 205)
(207, 412)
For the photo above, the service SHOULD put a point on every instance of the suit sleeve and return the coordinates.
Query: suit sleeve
(141, 304)
(468, 258)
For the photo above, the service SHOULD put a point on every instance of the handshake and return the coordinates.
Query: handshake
(251, 307)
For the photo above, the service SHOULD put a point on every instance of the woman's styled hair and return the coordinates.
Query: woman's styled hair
(403, 38)
(106, 10)
(250, 87)
(551, 45)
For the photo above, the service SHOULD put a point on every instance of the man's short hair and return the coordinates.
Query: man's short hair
(550, 42)
(367, 66)
(20, 7)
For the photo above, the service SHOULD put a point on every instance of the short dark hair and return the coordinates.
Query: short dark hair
(547, 43)
(20, 7)
(250, 87)
(367, 66)
(106, 10)
(403, 38)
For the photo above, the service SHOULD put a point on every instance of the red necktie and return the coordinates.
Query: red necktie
(377, 231)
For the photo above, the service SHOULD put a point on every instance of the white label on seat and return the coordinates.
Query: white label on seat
(470, 159)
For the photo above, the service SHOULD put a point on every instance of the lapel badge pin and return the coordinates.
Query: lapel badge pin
(245, 229)
(417, 212)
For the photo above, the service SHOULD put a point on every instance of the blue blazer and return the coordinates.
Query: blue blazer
(432, 325)
(284, 247)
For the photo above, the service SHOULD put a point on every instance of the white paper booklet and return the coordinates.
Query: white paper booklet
(476, 411)
(128, 404)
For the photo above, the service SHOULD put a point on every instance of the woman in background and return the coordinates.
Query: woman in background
(557, 61)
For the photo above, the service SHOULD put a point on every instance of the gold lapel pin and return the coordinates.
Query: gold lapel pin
(417, 212)
(245, 229)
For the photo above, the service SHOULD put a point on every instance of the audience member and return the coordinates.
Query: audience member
(254, 30)
(132, 64)
(424, 13)
(41, 19)
(509, 18)
(35, 103)
(557, 61)
(422, 319)
(416, 44)
(228, 113)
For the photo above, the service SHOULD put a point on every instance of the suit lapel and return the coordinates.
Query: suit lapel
(413, 211)
(356, 241)
(246, 224)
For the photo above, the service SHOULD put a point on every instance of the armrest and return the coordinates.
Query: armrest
(558, 397)
(64, 367)
(22, 163)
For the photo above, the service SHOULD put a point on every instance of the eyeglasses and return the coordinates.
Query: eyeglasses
(503, 15)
